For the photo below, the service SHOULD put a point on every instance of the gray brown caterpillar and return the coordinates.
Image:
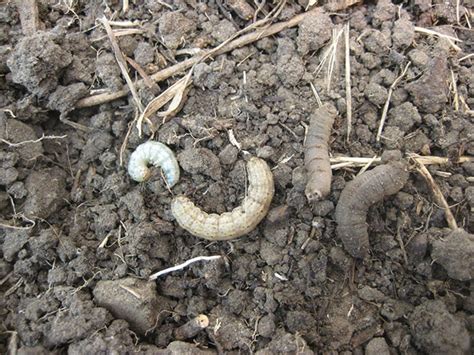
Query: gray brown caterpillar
(316, 156)
(356, 198)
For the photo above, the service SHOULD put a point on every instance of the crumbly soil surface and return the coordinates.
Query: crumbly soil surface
(77, 280)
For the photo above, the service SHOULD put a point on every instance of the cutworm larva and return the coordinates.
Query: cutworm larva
(241, 220)
(316, 156)
(156, 154)
(356, 198)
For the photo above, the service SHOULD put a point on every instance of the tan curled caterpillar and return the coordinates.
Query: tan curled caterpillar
(356, 198)
(236, 223)
(316, 156)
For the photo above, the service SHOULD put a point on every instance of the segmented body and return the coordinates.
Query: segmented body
(238, 222)
(156, 154)
(356, 198)
(316, 156)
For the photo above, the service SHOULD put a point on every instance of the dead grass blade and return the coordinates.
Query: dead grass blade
(354, 162)
(449, 38)
(328, 60)
(225, 47)
(387, 102)
(174, 93)
(121, 61)
(438, 195)
(348, 80)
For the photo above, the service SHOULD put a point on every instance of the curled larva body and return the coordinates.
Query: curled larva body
(238, 222)
(316, 156)
(356, 198)
(156, 154)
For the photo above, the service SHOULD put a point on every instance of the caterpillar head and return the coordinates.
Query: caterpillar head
(312, 194)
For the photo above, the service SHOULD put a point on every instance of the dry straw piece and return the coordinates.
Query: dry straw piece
(438, 195)
(227, 46)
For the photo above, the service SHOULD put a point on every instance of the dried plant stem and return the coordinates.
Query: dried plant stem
(466, 57)
(316, 95)
(11, 144)
(329, 57)
(125, 6)
(438, 195)
(121, 61)
(225, 47)
(431, 160)
(454, 89)
(348, 81)
(340, 162)
(449, 38)
(29, 16)
(9, 226)
(387, 103)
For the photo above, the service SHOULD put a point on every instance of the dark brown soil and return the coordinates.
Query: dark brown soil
(79, 238)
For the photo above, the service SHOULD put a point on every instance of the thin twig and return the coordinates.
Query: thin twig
(131, 291)
(366, 166)
(120, 33)
(186, 64)
(175, 93)
(122, 63)
(183, 265)
(8, 226)
(348, 81)
(11, 144)
(455, 92)
(466, 57)
(438, 195)
(449, 38)
(329, 57)
(434, 33)
(402, 245)
(146, 79)
(127, 135)
(387, 103)
(316, 95)
(341, 162)
(15, 287)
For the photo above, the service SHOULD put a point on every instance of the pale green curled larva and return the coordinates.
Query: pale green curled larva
(241, 220)
(156, 154)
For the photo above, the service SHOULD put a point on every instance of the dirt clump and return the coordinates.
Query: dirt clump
(134, 300)
(437, 331)
(46, 192)
(36, 62)
(377, 346)
(455, 252)
(200, 161)
(313, 32)
(17, 132)
(430, 92)
(79, 238)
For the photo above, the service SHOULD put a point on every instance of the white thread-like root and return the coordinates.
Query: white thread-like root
(156, 154)
(241, 220)
(183, 265)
